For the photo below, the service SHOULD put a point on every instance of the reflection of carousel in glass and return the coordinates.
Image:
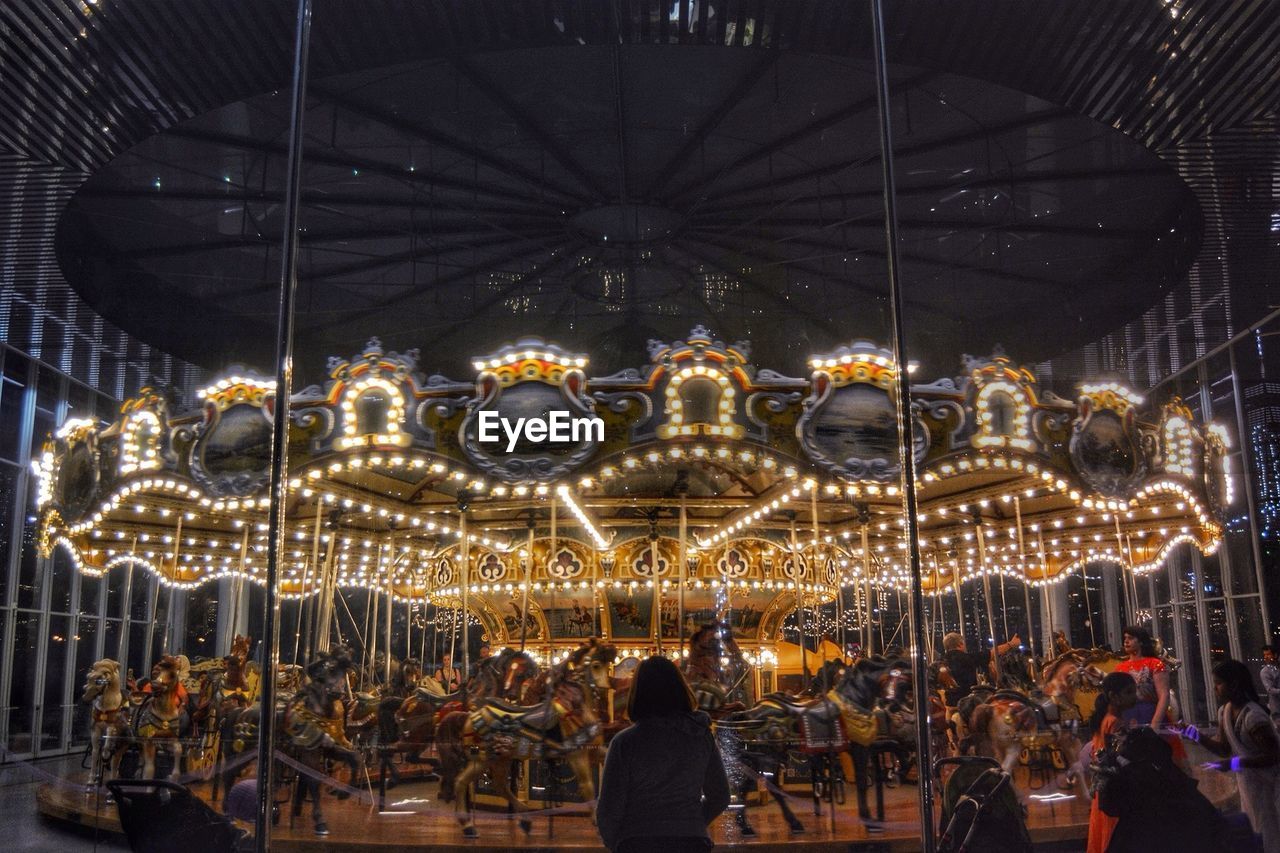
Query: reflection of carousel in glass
(723, 509)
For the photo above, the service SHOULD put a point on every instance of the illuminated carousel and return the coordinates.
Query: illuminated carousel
(698, 489)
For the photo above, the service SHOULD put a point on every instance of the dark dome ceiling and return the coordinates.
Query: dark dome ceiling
(599, 196)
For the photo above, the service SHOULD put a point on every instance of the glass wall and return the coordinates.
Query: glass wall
(593, 360)
(55, 619)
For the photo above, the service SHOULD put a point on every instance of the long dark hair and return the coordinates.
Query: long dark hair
(1146, 645)
(1238, 681)
(659, 690)
(1111, 685)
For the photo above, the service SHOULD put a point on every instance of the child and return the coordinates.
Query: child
(1119, 694)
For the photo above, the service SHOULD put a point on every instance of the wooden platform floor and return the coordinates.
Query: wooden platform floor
(414, 819)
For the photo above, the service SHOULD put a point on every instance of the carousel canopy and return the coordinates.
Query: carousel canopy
(753, 490)
(565, 183)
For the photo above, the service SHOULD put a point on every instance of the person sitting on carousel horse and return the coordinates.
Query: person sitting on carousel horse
(145, 685)
(965, 666)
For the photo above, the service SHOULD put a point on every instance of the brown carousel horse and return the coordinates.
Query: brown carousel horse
(162, 718)
(314, 729)
(718, 686)
(110, 721)
(225, 694)
(1040, 719)
(564, 726)
(431, 715)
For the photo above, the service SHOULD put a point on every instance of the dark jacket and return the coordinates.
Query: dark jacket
(1159, 808)
(663, 777)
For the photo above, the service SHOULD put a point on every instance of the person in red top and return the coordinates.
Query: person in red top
(1119, 694)
(1152, 676)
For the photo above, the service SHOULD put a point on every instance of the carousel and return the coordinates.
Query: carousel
(742, 520)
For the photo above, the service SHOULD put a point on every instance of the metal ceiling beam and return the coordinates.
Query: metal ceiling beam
(1029, 120)
(996, 181)
(381, 260)
(489, 264)
(530, 124)
(763, 152)
(347, 160)
(951, 225)
(438, 138)
(313, 198)
(313, 239)
(998, 275)
(568, 252)
(669, 169)
(822, 322)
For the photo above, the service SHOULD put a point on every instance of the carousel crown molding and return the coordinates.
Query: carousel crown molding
(384, 466)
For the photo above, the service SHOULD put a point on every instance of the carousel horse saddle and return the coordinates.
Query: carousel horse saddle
(542, 717)
(429, 697)
(815, 709)
(1046, 710)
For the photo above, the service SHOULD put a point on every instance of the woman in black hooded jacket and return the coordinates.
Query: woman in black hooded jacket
(663, 779)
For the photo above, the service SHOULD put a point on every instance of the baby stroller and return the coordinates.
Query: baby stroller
(159, 816)
(980, 809)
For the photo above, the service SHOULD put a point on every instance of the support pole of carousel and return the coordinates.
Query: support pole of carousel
(280, 428)
(955, 587)
(386, 637)
(1026, 585)
(681, 573)
(1045, 599)
(800, 620)
(986, 594)
(1126, 572)
(906, 445)
(466, 583)
(326, 618)
(528, 579)
(866, 592)
(655, 605)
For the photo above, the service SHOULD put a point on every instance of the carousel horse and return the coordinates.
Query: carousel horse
(851, 714)
(227, 690)
(1042, 720)
(162, 718)
(564, 726)
(238, 731)
(615, 694)
(511, 676)
(110, 717)
(313, 728)
(718, 687)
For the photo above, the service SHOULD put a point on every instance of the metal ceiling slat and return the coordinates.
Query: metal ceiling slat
(73, 17)
(1179, 86)
(1079, 86)
(53, 86)
(41, 129)
(140, 35)
(1122, 81)
(1252, 84)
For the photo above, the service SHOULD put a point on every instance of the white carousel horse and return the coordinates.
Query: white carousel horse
(110, 717)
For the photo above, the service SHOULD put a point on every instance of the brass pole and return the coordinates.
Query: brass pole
(1026, 584)
(684, 556)
(986, 593)
(528, 579)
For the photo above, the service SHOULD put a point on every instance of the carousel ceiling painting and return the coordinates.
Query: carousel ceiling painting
(714, 485)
